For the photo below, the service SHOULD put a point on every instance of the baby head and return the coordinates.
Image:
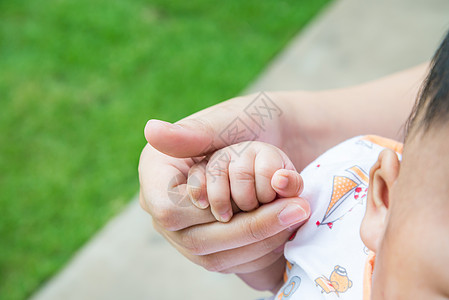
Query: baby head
(407, 218)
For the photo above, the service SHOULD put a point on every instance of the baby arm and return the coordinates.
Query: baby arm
(243, 180)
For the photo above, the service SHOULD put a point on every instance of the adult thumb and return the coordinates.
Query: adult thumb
(184, 139)
(199, 135)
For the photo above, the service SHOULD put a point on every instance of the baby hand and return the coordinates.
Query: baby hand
(257, 175)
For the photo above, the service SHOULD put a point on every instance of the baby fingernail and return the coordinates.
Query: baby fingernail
(202, 203)
(225, 217)
(292, 214)
(280, 181)
(194, 194)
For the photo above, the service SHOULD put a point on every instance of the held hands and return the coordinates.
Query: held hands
(255, 176)
(251, 242)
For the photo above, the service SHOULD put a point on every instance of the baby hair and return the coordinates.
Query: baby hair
(432, 105)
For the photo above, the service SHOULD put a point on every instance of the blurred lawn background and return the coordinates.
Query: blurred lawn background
(78, 81)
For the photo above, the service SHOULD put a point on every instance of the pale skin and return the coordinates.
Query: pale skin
(406, 221)
(258, 175)
(251, 243)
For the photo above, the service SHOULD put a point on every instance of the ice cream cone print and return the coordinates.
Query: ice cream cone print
(342, 187)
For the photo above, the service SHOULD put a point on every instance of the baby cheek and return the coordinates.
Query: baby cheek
(415, 250)
(396, 264)
(435, 257)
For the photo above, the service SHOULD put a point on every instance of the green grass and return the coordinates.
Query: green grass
(78, 81)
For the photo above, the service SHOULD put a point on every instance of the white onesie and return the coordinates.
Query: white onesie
(326, 258)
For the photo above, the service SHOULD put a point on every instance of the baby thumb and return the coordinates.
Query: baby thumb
(287, 183)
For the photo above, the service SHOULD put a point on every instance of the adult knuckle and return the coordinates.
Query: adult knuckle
(166, 218)
(213, 263)
(186, 241)
(162, 212)
(156, 226)
(256, 229)
(204, 124)
(191, 243)
(143, 203)
(266, 245)
(226, 271)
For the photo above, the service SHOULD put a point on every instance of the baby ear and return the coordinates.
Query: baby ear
(382, 176)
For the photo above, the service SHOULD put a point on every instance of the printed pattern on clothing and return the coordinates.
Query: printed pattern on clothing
(326, 258)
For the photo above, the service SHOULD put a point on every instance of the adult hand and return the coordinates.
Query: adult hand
(249, 241)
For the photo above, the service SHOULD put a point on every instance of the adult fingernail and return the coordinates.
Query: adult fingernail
(292, 214)
(176, 126)
(172, 126)
(280, 181)
(158, 122)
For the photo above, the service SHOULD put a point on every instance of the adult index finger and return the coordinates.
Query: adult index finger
(245, 228)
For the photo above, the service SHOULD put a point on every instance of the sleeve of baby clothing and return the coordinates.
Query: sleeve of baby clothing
(326, 258)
